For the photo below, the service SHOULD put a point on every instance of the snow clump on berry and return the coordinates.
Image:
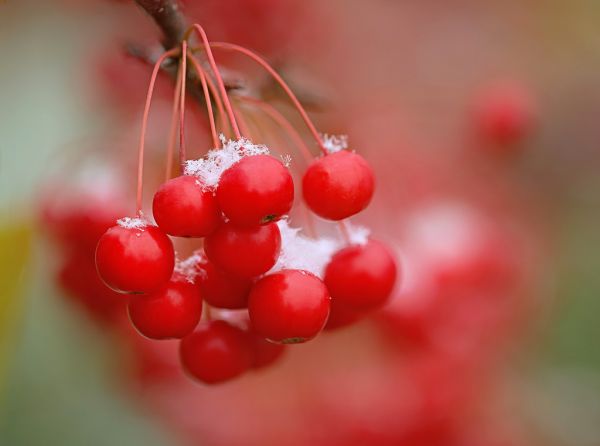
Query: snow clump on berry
(304, 253)
(209, 169)
(334, 143)
(358, 235)
(189, 268)
(132, 223)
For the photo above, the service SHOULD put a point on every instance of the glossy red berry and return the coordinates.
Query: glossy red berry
(182, 208)
(215, 352)
(171, 312)
(338, 185)
(264, 353)
(223, 290)
(361, 276)
(244, 251)
(289, 306)
(135, 259)
(256, 190)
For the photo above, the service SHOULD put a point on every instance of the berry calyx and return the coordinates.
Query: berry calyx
(289, 306)
(182, 208)
(134, 257)
(215, 352)
(244, 251)
(256, 190)
(222, 290)
(171, 312)
(338, 185)
(361, 277)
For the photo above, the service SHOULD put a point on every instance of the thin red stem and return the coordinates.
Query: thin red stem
(140, 168)
(211, 118)
(219, 79)
(217, 98)
(173, 128)
(258, 59)
(239, 115)
(182, 156)
(344, 230)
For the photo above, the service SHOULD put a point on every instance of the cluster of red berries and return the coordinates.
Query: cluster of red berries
(234, 199)
(237, 218)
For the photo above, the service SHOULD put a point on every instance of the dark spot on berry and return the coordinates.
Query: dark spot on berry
(296, 340)
(268, 218)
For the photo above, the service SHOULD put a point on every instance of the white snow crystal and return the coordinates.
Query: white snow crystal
(209, 169)
(304, 253)
(132, 223)
(359, 235)
(312, 254)
(188, 268)
(334, 143)
(286, 160)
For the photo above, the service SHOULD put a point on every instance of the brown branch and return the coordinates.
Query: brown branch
(168, 17)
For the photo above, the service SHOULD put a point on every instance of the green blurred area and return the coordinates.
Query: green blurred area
(60, 386)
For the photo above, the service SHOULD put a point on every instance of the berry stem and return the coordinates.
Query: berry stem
(173, 127)
(242, 121)
(261, 61)
(182, 156)
(211, 118)
(213, 90)
(140, 167)
(218, 77)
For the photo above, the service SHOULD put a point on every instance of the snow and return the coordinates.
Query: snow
(133, 222)
(334, 143)
(209, 169)
(358, 235)
(304, 253)
(188, 268)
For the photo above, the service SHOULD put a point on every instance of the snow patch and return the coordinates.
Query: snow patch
(334, 143)
(133, 223)
(304, 253)
(190, 268)
(358, 235)
(209, 169)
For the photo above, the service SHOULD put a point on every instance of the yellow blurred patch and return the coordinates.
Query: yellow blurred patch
(15, 246)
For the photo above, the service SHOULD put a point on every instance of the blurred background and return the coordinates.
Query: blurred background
(481, 122)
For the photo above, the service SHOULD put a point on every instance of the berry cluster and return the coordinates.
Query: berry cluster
(236, 200)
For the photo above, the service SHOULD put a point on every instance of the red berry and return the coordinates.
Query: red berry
(244, 251)
(223, 290)
(77, 219)
(182, 208)
(338, 185)
(361, 276)
(505, 114)
(79, 279)
(256, 190)
(264, 353)
(171, 312)
(135, 259)
(215, 352)
(289, 306)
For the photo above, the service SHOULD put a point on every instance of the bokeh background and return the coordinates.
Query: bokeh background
(407, 82)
